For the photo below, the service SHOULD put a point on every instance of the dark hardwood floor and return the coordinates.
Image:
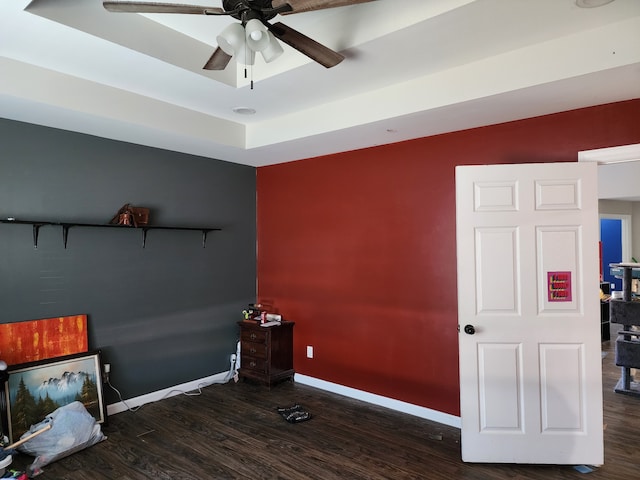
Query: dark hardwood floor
(233, 431)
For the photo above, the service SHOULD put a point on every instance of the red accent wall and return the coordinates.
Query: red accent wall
(359, 248)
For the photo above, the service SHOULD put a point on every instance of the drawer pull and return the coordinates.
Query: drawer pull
(252, 364)
(253, 350)
(253, 336)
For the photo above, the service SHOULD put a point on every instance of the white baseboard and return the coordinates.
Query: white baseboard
(372, 398)
(404, 407)
(134, 402)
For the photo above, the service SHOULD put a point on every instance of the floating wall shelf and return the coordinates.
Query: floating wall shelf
(67, 225)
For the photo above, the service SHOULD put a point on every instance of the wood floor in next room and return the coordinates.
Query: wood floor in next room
(233, 431)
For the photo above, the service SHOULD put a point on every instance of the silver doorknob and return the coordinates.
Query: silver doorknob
(469, 329)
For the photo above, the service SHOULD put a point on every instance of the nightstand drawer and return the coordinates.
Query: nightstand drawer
(258, 350)
(254, 335)
(253, 363)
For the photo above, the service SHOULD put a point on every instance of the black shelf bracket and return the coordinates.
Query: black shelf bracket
(65, 234)
(204, 231)
(36, 231)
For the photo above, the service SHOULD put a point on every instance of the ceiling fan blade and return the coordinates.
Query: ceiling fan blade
(312, 49)
(298, 6)
(218, 61)
(155, 7)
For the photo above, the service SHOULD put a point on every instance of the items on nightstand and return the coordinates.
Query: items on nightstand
(254, 312)
(261, 313)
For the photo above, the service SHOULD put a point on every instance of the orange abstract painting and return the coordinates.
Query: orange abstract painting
(33, 340)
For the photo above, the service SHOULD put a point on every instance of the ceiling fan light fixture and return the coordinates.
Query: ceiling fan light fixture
(273, 50)
(232, 39)
(257, 35)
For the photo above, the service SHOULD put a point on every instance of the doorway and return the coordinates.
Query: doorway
(615, 238)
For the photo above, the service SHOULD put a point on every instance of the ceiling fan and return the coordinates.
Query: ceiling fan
(254, 34)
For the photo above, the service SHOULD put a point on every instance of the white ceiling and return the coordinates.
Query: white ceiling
(413, 68)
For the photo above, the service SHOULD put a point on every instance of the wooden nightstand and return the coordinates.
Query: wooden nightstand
(266, 353)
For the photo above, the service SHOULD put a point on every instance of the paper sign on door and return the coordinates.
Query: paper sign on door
(559, 286)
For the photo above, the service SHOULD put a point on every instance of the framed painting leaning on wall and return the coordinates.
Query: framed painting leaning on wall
(36, 389)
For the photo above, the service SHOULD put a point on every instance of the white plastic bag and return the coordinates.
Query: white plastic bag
(72, 429)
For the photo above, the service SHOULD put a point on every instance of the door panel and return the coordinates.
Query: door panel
(530, 368)
(500, 370)
(492, 243)
(558, 248)
(562, 388)
(558, 194)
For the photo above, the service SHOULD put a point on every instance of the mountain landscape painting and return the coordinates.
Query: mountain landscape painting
(37, 390)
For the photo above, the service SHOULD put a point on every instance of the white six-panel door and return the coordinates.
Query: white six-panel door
(529, 313)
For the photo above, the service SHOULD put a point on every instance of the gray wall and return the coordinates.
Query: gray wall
(162, 315)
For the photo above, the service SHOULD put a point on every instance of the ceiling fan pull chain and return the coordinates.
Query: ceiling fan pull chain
(246, 55)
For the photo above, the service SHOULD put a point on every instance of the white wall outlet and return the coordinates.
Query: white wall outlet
(309, 351)
(105, 373)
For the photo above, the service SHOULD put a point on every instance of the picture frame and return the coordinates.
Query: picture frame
(35, 389)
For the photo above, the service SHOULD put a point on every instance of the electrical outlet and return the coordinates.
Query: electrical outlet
(309, 351)
(106, 371)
